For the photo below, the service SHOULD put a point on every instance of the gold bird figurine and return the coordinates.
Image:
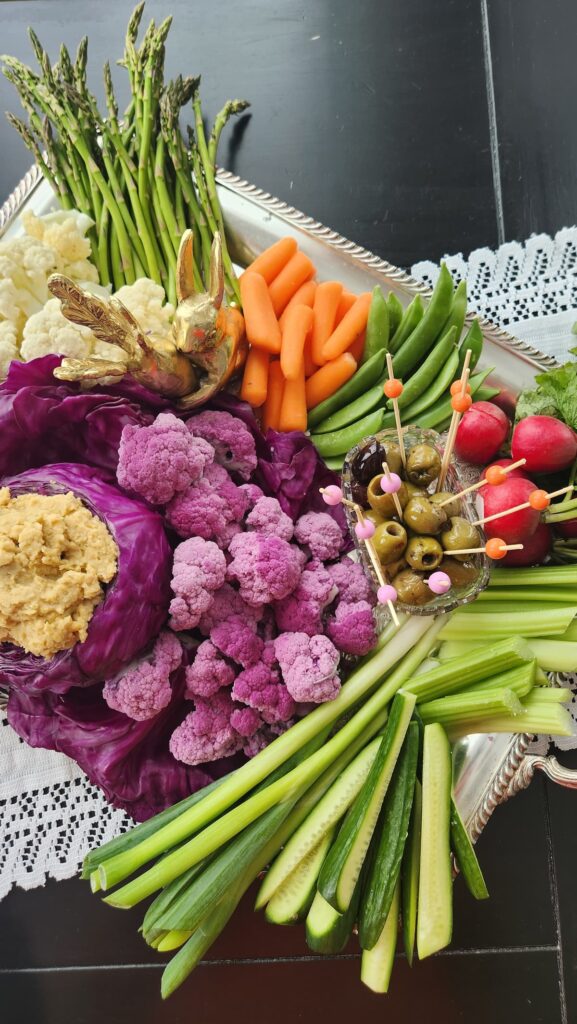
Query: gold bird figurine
(205, 345)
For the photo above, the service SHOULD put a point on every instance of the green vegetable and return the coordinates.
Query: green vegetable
(343, 865)
(466, 857)
(383, 875)
(549, 621)
(395, 313)
(469, 705)
(470, 667)
(441, 410)
(413, 350)
(543, 576)
(377, 336)
(428, 370)
(357, 409)
(472, 341)
(410, 875)
(456, 317)
(370, 372)
(555, 395)
(435, 910)
(411, 316)
(543, 717)
(327, 931)
(436, 388)
(551, 655)
(377, 962)
(293, 898)
(520, 680)
(336, 441)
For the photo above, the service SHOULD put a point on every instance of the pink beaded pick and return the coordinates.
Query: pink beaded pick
(391, 484)
(365, 529)
(439, 582)
(332, 495)
(386, 593)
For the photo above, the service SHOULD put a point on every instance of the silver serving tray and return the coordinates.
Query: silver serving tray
(487, 769)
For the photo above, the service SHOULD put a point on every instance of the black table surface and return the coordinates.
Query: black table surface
(416, 129)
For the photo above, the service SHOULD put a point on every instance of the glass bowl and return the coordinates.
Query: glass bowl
(459, 476)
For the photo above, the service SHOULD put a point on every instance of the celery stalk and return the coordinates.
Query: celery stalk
(547, 621)
(570, 634)
(543, 718)
(519, 680)
(413, 640)
(466, 706)
(552, 655)
(520, 595)
(470, 668)
(547, 695)
(542, 576)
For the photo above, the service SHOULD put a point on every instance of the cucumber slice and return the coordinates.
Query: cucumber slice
(293, 898)
(394, 826)
(377, 963)
(435, 910)
(329, 810)
(343, 865)
(410, 876)
(466, 857)
(328, 931)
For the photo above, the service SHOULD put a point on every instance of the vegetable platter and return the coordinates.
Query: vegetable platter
(352, 773)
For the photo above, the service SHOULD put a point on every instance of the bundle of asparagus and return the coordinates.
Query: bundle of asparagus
(134, 175)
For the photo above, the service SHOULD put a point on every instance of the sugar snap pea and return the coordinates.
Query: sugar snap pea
(435, 390)
(337, 441)
(395, 313)
(411, 316)
(456, 317)
(473, 340)
(370, 399)
(413, 350)
(428, 370)
(367, 375)
(439, 412)
(377, 336)
(334, 462)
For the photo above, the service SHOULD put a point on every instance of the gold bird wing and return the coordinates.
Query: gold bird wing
(107, 318)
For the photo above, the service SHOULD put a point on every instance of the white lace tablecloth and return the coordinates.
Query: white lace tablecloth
(50, 815)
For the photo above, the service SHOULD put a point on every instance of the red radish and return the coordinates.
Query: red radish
(535, 549)
(481, 433)
(567, 529)
(514, 528)
(546, 443)
(506, 401)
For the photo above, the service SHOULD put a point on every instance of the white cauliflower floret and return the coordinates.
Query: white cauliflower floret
(105, 350)
(28, 264)
(144, 299)
(50, 332)
(16, 304)
(8, 345)
(63, 231)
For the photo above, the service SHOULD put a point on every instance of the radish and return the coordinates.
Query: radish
(535, 549)
(567, 529)
(481, 433)
(517, 527)
(506, 401)
(548, 444)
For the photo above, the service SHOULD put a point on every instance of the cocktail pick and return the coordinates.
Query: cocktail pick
(439, 582)
(494, 548)
(392, 389)
(461, 401)
(538, 500)
(391, 483)
(494, 475)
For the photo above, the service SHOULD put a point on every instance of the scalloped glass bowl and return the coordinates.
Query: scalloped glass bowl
(459, 476)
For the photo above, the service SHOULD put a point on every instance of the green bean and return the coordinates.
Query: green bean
(377, 336)
(362, 405)
(441, 410)
(364, 377)
(473, 340)
(429, 370)
(338, 441)
(411, 317)
(456, 317)
(395, 313)
(435, 390)
(427, 330)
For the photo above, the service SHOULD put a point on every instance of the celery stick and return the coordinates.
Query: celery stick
(570, 634)
(467, 705)
(547, 695)
(470, 668)
(516, 606)
(541, 576)
(520, 595)
(543, 718)
(542, 622)
(519, 680)
(552, 655)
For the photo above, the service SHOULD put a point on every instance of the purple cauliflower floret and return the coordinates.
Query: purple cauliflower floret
(253, 493)
(199, 569)
(207, 508)
(351, 581)
(162, 460)
(302, 611)
(265, 735)
(208, 673)
(231, 439)
(206, 734)
(237, 640)
(321, 534)
(308, 665)
(267, 568)
(260, 688)
(245, 721)
(352, 629)
(228, 603)
(268, 518)
(143, 688)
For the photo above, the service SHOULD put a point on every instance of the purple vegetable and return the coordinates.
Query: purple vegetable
(142, 582)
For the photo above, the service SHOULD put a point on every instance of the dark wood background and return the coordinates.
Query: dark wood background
(415, 128)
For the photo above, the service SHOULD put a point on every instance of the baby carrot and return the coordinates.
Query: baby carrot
(297, 325)
(310, 365)
(358, 346)
(298, 270)
(331, 376)
(255, 379)
(327, 298)
(272, 260)
(261, 324)
(272, 406)
(348, 300)
(304, 296)
(293, 413)
(350, 326)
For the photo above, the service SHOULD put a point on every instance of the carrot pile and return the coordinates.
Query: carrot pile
(306, 339)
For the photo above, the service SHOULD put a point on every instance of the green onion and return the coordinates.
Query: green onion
(540, 718)
(547, 621)
(467, 706)
(470, 667)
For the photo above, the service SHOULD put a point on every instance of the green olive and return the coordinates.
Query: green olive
(411, 588)
(389, 541)
(424, 553)
(460, 573)
(393, 568)
(423, 464)
(423, 517)
(460, 534)
(375, 517)
(383, 503)
(453, 508)
(393, 458)
(415, 492)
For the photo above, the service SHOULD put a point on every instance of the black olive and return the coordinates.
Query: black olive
(368, 462)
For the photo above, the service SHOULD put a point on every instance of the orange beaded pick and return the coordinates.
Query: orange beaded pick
(393, 388)
(456, 388)
(539, 500)
(461, 403)
(496, 548)
(495, 475)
